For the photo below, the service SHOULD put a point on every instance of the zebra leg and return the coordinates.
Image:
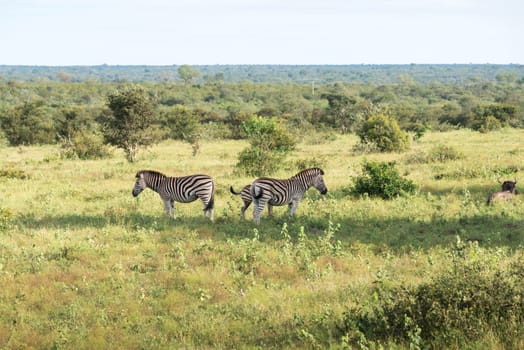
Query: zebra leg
(293, 208)
(173, 208)
(258, 207)
(209, 205)
(269, 210)
(169, 205)
(243, 210)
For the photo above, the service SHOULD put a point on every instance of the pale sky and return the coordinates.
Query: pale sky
(196, 32)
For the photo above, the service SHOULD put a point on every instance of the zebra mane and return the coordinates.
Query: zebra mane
(311, 171)
(150, 172)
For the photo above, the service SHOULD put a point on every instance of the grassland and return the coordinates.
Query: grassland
(85, 265)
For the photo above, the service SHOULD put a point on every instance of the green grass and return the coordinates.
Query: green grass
(83, 264)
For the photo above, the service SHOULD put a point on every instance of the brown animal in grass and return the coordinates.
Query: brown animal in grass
(509, 190)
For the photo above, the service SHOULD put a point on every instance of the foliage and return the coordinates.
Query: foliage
(183, 123)
(130, 124)
(383, 180)
(384, 133)
(188, 74)
(418, 129)
(437, 154)
(487, 124)
(28, 123)
(11, 173)
(455, 308)
(342, 109)
(269, 142)
(504, 113)
(443, 153)
(6, 219)
(235, 121)
(84, 144)
(458, 74)
(71, 97)
(79, 135)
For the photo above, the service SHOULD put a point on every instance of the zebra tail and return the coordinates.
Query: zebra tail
(233, 191)
(211, 204)
(259, 195)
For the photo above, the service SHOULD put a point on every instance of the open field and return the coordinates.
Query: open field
(83, 264)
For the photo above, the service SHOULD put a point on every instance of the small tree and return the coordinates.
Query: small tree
(131, 123)
(270, 143)
(383, 133)
(188, 73)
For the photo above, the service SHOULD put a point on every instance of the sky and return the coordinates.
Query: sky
(202, 32)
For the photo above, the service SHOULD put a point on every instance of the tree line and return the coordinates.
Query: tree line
(85, 117)
(375, 74)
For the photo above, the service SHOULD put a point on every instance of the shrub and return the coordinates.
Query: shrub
(383, 180)
(384, 133)
(270, 143)
(14, 174)
(437, 154)
(315, 162)
(457, 307)
(84, 145)
(254, 162)
(29, 123)
(443, 153)
(487, 124)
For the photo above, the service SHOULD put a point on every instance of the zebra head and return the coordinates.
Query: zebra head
(140, 184)
(317, 180)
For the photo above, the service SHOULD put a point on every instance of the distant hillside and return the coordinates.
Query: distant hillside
(321, 74)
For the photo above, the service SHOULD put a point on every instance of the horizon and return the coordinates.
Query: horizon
(262, 64)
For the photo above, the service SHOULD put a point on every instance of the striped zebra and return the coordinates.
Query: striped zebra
(183, 189)
(274, 192)
(245, 194)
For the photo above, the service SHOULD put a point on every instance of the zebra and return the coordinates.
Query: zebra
(245, 194)
(275, 192)
(183, 189)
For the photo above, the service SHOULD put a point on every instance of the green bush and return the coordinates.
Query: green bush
(84, 145)
(29, 123)
(382, 179)
(487, 124)
(384, 133)
(443, 153)
(270, 143)
(464, 304)
(253, 162)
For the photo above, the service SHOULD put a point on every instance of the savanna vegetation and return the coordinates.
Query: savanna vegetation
(402, 252)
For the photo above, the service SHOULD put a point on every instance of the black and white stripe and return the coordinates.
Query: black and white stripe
(182, 189)
(245, 194)
(275, 192)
